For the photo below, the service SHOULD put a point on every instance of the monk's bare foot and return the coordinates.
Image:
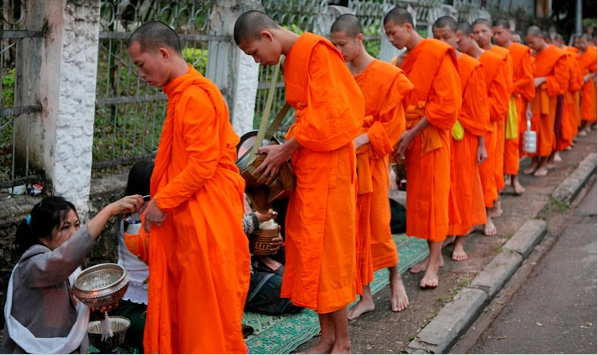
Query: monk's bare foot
(496, 210)
(489, 228)
(557, 157)
(423, 265)
(507, 180)
(459, 250)
(448, 241)
(582, 133)
(549, 165)
(517, 188)
(531, 169)
(419, 267)
(398, 296)
(363, 306)
(321, 348)
(542, 171)
(430, 279)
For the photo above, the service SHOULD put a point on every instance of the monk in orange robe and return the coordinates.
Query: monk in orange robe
(551, 78)
(467, 146)
(431, 66)
(385, 103)
(569, 120)
(482, 31)
(523, 91)
(587, 61)
(320, 271)
(200, 264)
(497, 83)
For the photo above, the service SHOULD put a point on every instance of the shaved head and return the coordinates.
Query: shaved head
(464, 28)
(250, 24)
(446, 21)
(534, 31)
(502, 22)
(482, 21)
(155, 35)
(347, 23)
(399, 16)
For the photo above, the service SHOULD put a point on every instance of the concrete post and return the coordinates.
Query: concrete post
(62, 137)
(235, 73)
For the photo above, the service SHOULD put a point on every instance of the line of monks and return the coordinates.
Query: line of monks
(452, 108)
(507, 88)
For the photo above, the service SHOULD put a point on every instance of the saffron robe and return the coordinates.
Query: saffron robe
(523, 92)
(497, 85)
(569, 121)
(550, 63)
(385, 104)
(432, 68)
(199, 256)
(320, 270)
(587, 61)
(474, 116)
(499, 176)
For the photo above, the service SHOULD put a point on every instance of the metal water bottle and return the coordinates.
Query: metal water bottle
(529, 139)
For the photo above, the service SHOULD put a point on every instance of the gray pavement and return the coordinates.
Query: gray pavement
(554, 311)
(443, 331)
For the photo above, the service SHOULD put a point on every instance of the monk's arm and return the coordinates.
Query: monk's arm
(474, 114)
(202, 134)
(523, 83)
(335, 105)
(391, 123)
(557, 82)
(444, 100)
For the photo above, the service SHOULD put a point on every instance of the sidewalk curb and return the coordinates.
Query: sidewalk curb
(570, 187)
(452, 321)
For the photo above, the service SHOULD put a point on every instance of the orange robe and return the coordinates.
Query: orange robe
(474, 116)
(497, 84)
(432, 68)
(523, 92)
(587, 61)
(499, 175)
(199, 256)
(569, 122)
(552, 64)
(385, 103)
(320, 270)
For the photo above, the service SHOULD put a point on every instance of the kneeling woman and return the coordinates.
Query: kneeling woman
(41, 314)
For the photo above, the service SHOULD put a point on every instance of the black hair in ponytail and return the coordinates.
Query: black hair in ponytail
(45, 216)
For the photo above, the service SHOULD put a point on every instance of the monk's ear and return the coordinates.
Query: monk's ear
(164, 53)
(360, 37)
(267, 35)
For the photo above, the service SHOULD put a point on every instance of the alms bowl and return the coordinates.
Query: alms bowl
(101, 285)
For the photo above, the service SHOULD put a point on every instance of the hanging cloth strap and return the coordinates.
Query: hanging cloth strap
(262, 132)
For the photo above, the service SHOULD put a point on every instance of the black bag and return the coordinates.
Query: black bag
(398, 217)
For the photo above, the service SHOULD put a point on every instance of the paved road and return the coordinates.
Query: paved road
(554, 310)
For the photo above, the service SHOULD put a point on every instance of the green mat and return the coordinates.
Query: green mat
(283, 334)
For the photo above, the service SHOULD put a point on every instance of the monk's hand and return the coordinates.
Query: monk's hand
(481, 154)
(361, 140)
(268, 169)
(539, 81)
(403, 143)
(153, 215)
